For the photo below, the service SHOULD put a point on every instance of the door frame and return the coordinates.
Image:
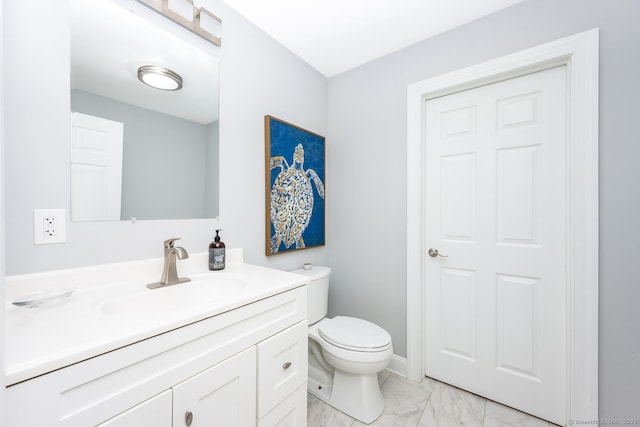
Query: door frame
(579, 53)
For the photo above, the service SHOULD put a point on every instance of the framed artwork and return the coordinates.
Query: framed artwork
(294, 187)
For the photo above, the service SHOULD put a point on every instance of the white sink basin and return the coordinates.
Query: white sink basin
(199, 292)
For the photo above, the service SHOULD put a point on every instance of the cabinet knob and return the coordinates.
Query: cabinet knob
(286, 365)
(188, 418)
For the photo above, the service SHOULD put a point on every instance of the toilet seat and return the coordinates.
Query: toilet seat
(354, 334)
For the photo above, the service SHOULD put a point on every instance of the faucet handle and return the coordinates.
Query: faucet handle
(169, 242)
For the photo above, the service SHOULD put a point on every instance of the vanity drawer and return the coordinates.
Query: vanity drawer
(282, 366)
(291, 413)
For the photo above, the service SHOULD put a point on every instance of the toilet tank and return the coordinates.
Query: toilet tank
(317, 291)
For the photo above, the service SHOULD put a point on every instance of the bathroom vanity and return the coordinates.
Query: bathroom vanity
(228, 348)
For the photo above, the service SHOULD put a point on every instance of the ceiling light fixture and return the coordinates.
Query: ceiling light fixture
(159, 77)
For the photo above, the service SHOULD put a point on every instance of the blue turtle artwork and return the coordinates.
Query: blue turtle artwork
(296, 187)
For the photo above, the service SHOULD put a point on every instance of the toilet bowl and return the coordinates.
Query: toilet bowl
(345, 354)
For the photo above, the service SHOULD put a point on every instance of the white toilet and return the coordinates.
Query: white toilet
(345, 354)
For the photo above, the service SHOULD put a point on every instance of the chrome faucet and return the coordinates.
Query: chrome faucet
(170, 272)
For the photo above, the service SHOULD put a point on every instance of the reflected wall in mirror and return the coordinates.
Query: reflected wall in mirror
(139, 152)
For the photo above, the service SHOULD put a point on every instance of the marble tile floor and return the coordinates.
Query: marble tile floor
(426, 404)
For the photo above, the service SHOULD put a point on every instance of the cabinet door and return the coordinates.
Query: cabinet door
(155, 412)
(223, 395)
(282, 366)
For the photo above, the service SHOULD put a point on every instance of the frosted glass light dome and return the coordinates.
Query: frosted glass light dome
(159, 77)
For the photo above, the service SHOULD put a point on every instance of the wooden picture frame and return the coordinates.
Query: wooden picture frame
(294, 187)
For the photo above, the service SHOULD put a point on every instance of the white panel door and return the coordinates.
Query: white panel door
(223, 395)
(495, 207)
(96, 168)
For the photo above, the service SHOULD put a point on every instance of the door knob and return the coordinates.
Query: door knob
(188, 418)
(434, 253)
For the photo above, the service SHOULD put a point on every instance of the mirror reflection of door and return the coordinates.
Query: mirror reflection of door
(96, 168)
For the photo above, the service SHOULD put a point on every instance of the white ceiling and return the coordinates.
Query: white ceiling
(334, 36)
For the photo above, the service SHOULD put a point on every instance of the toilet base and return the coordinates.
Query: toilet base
(358, 396)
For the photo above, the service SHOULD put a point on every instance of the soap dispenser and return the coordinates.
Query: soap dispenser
(216, 253)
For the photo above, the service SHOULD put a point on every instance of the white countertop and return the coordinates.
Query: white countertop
(111, 307)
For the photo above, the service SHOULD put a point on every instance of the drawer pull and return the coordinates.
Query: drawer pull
(188, 418)
(286, 365)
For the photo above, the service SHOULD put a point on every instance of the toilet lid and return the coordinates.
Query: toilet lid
(354, 334)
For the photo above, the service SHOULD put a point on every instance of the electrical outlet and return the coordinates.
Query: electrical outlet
(49, 226)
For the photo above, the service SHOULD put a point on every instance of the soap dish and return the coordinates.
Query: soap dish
(44, 298)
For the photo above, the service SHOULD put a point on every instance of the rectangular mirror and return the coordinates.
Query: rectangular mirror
(137, 151)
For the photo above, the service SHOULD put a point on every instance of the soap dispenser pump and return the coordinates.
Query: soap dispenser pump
(216, 253)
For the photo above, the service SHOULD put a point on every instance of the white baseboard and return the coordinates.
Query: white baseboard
(398, 366)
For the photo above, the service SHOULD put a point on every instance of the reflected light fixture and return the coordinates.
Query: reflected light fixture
(159, 77)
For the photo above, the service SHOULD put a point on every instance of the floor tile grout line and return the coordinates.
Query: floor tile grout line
(425, 404)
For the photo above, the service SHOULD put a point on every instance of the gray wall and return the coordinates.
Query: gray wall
(266, 81)
(258, 76)
(2, 229)
(367, 131)
(164, 159)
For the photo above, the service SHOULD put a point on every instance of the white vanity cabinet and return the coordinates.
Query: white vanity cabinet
(244, 367)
